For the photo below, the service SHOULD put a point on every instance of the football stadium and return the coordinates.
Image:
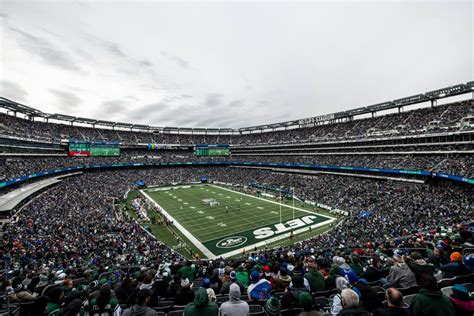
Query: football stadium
(168, 159)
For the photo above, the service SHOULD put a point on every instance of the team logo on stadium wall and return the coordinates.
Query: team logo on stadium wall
(231, 242)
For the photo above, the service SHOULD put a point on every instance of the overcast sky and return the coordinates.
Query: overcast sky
(223, 64)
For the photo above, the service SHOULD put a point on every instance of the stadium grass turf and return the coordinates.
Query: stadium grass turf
(237, 214)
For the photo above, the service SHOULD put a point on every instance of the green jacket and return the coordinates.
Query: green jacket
(315, 280)
(201, 305)
(187, 272)
(110, 308)
(429, 303)
(53, 309)
(243, 278)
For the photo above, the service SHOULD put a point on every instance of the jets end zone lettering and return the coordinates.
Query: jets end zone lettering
(280, 228)
(253, 236)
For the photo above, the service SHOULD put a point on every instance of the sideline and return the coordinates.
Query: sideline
(183, 230)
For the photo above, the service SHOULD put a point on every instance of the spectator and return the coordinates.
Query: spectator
(400, 275)
(259, 289)
(395, 305)
(201, 305)
(282, 279)
(231, 279)
(55, 297)
(461, 300)
(272, 307)
(187, 272)
(291, 296)
(206, 283)
(341, 284)
(185, 294)
(368, 295)
(141, 308)
(455, 267)
(234, 306)
(314, 277)
(105, 304)
(306, 303)
(430, 301)
(350, 303)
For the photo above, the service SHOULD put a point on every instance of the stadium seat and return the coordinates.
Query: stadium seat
(178, 307)
(446, 282)
(447, 290)
(326, 293)
(320, 302)
(176, 313)
(291, 311)
(460, 279)
(165, 303)
(469, 287)
(221, 299)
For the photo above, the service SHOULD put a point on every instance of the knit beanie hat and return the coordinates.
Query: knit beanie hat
(272, 307)
(460, 292)
(306, 301)
(254, 276)
(455, 256)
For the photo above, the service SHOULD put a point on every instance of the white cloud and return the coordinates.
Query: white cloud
(237, 64)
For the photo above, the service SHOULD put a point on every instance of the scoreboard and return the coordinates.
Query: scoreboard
(93, 149)
(212, 150)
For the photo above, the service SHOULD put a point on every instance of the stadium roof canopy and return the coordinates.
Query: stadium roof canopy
(432, 96)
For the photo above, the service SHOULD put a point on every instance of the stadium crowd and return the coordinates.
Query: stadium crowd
(442, 118)
(70, 251)
(97, 262)
(462, 165)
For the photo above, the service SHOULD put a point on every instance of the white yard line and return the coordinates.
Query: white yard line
(270, 201)
(183, 230)
(210, 255)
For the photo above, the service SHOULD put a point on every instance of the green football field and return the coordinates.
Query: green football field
(238, 222)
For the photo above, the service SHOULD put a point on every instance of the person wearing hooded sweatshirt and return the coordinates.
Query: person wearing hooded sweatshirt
(462, 302)
(141, 308)
(282, 279)
(201, 305)
(187, 272)
(400, 275)
(315, 279)
(293, 293)
(430, 301)
(356, 266)
(234, 306)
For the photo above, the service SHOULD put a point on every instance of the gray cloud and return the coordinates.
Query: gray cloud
(213, 99)
(236, 103)
(111, 47)
(146, 63)
(177, 60)
(113, 106)
(12, 90)
(147, 111)
(67, 100)
(48, 52)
